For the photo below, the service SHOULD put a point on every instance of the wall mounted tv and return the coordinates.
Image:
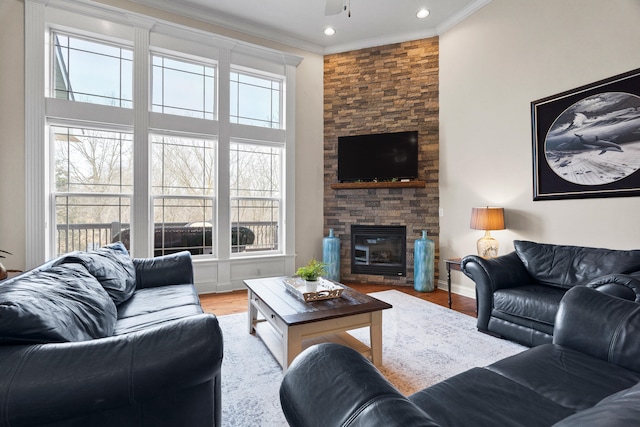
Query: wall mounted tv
(378, 157)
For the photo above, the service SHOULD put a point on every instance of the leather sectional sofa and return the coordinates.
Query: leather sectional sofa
(518, 294)
(588, 377)
(100, 339)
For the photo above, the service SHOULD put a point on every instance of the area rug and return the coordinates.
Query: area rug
(423, 343)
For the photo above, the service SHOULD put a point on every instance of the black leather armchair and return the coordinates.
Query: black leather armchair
(518, 294)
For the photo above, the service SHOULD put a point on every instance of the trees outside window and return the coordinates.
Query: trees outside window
(94, 185)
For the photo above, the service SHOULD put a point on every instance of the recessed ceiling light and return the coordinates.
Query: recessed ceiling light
(329, 31)
(422, 13)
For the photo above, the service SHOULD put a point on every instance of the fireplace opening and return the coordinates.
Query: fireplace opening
(379, 250)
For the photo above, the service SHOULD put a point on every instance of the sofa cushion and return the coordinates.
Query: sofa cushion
(64, 303)
(567, 266)
(567, 377)
(154, 306)
(112, 266)
(482, 398)
(533, 302)
(619, 409)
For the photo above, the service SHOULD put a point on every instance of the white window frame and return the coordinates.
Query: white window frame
(86, 17)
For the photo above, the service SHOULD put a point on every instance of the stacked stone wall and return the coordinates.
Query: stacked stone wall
(391, 88)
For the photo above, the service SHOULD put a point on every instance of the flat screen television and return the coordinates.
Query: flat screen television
(377, 157)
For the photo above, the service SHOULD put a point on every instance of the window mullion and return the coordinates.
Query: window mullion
(141, 217)
(224, 144)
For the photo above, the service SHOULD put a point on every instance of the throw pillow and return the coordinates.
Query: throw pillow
(61, 304)
(112, 266)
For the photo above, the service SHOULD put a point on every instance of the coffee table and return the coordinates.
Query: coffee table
(287, 324)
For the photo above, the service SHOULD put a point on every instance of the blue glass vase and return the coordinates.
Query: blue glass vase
(331, 256)
(423, 271)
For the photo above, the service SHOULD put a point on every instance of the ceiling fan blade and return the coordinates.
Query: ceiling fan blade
(334, 7)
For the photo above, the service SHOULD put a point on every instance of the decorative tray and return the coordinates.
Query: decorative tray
(313, 291)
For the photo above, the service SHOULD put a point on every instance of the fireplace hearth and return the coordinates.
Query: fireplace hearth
(379, 250)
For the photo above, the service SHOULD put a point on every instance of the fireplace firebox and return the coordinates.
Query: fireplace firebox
(379, 250)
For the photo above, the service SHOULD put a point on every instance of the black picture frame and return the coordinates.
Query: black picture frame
(586, 141)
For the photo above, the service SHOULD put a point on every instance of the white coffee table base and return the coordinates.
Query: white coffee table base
(286, 342)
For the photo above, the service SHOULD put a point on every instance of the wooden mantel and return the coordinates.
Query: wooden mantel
(385, 184)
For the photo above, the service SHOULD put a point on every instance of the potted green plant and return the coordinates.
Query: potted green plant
(312, 270)
(3, 271)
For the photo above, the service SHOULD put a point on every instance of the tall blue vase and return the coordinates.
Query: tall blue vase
(331, 256)
(423, 271)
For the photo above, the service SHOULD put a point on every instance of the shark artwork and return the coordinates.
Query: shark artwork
(596, 140)
(583, 144)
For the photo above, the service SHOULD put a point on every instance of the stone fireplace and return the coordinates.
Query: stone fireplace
(380, 250)
(391, 88)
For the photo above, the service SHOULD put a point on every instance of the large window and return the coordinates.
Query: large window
(162, 136)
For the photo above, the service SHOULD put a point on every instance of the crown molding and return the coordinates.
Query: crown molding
(380, 41)
(138, 20)
(280, 36)
(233, 23)
(460, 16)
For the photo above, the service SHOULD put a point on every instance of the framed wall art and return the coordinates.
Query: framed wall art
(586, 141)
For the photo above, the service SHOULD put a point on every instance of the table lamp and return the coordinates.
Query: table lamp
(487, 219)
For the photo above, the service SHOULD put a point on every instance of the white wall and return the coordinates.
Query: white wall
(309, 131)
(12, 132)
(492, 66)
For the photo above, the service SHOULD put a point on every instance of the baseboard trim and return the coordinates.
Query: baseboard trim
(465, 291)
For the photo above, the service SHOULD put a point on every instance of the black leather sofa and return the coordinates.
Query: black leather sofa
(518, 294)
(588, 377)
(98, 339)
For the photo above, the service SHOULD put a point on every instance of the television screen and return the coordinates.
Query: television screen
(378, 157)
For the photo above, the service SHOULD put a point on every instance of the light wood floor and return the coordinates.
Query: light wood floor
(236, 301)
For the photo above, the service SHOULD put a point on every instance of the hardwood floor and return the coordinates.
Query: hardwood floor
(236, 301)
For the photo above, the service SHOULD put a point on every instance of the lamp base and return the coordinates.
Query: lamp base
(487, 246)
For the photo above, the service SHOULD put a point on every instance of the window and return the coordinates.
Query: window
(144, 166)
(90, 71)
(255, 100)
(93, 186)
(183, 88)
(183, 183)
(256, 196)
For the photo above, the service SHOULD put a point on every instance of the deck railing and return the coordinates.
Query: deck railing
(88, 236)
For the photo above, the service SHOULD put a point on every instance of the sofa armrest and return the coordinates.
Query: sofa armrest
(70, 380)
(600, 325)
(332, 385)
(173, 269)
(506, 271)
(623, 286)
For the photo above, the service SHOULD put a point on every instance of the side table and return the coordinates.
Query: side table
(452, 263)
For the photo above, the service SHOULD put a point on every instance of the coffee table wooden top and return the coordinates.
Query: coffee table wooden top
(294, 311)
